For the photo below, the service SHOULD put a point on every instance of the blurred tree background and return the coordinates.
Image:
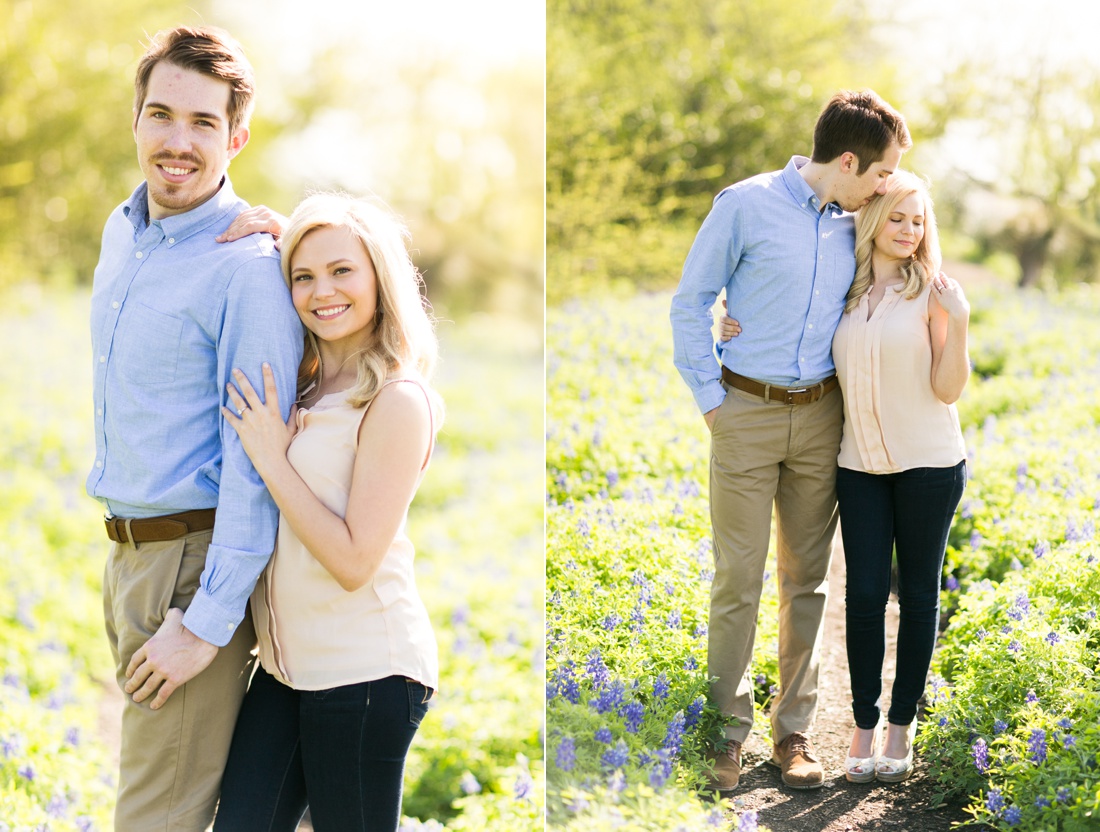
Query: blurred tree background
(653, 106)
(449, 138)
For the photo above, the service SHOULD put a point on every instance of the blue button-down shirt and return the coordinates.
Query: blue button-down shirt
(173, 313)
(786, 266)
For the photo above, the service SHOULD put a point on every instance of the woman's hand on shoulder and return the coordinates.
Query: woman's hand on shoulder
(257, 220)
(950, 297)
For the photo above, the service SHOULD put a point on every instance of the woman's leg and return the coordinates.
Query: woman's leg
(263, 789)
(866, 525)
(354, 742)
(925, 503)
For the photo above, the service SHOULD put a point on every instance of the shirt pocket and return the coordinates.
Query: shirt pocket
(147, 345)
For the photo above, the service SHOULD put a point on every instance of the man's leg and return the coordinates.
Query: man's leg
(747, 442)
(172, 758)
(806, 516)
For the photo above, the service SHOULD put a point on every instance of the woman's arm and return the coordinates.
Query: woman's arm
(394, 438)
(949, 317)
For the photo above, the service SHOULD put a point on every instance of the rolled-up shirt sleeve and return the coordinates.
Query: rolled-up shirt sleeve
(708, 269)
(259, 325)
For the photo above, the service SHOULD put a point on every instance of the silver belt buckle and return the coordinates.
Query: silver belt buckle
(790, 394)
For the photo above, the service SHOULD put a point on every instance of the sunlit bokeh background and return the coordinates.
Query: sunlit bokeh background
(436, 108)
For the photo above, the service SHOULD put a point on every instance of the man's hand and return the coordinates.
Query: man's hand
(172, 657)
(710, 416)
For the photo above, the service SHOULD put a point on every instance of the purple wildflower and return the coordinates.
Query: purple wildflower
(1042, 803)
(694, 712)
(994, 802)
(999, 726)
(748, 821)
(1063, 794)
(660, 687)
(675, 734)
(633, 713)
(1069, 741)
(1031, 698)
(1013, 815)
(566, 756)
(1037, 745)
(616, 757)
(980, 752)
(596, 669)
(603, 735)
(1052, 638)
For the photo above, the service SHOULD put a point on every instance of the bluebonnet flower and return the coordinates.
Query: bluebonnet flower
(603, 735)
(675, 734)
(700, 629)
(661, 769)
(994, 802)
(27, 772)
(566, 755)
(748, 821)
(85, 824)
(669, 589)
(1042, 549)
(694, 712)
(637, 616)
(1014, 646)
(57, 806)
(1042, 803)
(596, 669)
(980, 752)
(660, 686)
(674, 622)
(72, 737)
(690, 663)
(1052, 638)
(610, 622)
(616, 757)
(524, 786)
(468, 783)
(952, 583)
(612, 478)
(576, 804)
(616, 782)
(976, 540)
(1069, 741)
(999, 726)
(1031, 698)
(1062, 795)
(943, 722)
(982, 634)
(1013, 815)
(1037, 744)
(633, 713)
(11, 746)
(1065, 723)
(583, 528)
(611, 696)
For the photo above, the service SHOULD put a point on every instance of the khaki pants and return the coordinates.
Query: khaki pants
(764, 453)
(172, 758)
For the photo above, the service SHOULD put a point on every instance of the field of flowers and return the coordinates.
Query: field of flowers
(629, 565)
(477, 762)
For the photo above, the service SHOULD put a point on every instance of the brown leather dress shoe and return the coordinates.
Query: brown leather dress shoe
(801, 768)
(726, 765)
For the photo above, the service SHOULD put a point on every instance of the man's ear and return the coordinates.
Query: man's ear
(237, 141)
(849, 162)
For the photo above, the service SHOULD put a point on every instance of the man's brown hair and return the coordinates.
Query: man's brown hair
(860, 122)
(204, 49)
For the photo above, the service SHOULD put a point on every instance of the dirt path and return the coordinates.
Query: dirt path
(840, 806)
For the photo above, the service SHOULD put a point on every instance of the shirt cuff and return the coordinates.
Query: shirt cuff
(709, 396)
(209, 620)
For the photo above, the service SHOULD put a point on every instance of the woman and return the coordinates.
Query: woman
(348, 659)
(900, 352)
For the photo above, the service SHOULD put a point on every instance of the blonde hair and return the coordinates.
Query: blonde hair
(925, 262)
(403, 341)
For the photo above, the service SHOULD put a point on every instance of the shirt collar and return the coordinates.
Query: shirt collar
(181, 226)
(797, 186)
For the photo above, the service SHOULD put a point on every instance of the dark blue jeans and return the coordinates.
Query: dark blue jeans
(908, 513)
(340, 751)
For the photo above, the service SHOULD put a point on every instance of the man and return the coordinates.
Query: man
(781, 245)
(173, 313)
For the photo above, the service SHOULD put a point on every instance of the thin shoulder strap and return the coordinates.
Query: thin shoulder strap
(431, 413)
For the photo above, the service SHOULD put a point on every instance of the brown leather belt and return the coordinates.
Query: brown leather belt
(783, 395)
(165, 527)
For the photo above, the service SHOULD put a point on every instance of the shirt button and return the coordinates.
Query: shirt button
(102, 359)
(229, 626)
(99, 411)
(99, 463)
(114, 304)
(139, 255)
(171, 240)
(816, 293)
(810, 326)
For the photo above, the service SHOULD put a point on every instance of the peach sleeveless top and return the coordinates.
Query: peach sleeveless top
(312, 633)
(893, 421)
